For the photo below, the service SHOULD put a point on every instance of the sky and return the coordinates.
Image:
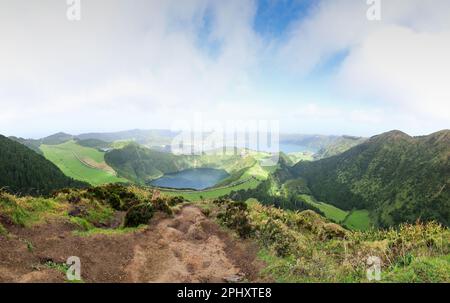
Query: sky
(317, 67)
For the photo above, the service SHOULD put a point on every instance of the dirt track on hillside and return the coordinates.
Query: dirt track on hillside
(186, 248)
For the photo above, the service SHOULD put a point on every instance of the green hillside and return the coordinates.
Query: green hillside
(141, 164)
(340, 145)
(81, 163)
(309, 142)
(94, 143)
(56, 139)
(396, 177)
(25, 172)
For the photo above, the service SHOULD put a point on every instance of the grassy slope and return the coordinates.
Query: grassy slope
(28, 211)
(330, 211)
(66, 156)
(358, 219)
(97, 211)
(304, 247)
(300, 156)
(355, 220)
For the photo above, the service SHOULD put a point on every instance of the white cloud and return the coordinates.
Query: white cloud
(142, 55)
(143, 63)
(402, 62)
(410, 69)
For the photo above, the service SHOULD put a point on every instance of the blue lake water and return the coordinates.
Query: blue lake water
(286, 148)
(196, 178)
(294, 148)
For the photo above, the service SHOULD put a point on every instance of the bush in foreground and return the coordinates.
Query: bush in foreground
(139, 214)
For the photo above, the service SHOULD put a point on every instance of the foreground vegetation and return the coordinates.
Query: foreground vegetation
(304, 247)
(108, 209)
(297, 246)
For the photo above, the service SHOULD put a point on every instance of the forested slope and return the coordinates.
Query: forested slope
(23, 171)
(398, 177)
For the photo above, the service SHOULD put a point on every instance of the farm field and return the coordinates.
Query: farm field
(358, 219)
(81, 163)
(336, 214)
(355, 220)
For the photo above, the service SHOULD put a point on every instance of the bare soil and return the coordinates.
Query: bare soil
(188, 247)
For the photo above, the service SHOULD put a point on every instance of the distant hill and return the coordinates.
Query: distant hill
(26, 172)
(140, 164)
(94, 143)
(152, 136)
(160, 139)
(322, 145)
(157, 138)
(30, 143)
(56, 139)
(340, 145)
(397, 177)
(34, 144)
(313, 142)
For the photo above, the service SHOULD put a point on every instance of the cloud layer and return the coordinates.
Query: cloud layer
(146, 63)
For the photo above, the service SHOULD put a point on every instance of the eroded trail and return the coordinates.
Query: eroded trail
(190, 249)
(186, 248)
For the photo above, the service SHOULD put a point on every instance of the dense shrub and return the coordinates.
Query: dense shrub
(234, 215)
(278, 236)
(118, 196)
(139, 214)
(172, 201)
(160, 204)
(99, 204)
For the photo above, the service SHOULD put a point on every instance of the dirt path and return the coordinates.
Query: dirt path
(186, 248)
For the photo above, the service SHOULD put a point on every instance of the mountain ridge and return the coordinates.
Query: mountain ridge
(394, 175)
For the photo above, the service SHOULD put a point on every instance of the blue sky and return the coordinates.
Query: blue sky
(316, 66)
(273, 18)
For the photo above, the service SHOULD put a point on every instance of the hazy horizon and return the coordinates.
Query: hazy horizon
(162, 129)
